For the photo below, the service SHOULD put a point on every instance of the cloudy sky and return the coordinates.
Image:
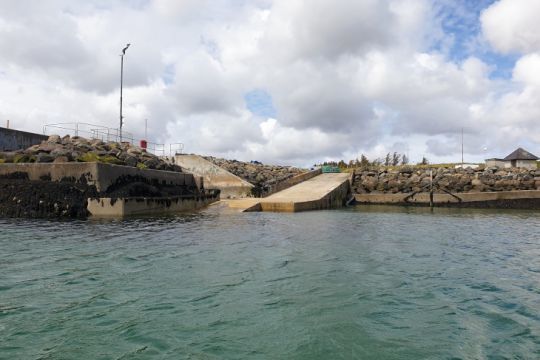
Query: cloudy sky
(282, 81)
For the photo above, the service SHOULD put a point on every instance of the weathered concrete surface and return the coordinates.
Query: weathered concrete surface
(231, 186)
(324, 191)
(65, 189)
(504, 199)
(11, 139)
(98, 174)
(295, 180)
(263, 177)
(107, 207)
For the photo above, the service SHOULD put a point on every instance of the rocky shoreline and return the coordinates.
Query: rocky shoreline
(409, 180)
(263, 177)
(58, 149)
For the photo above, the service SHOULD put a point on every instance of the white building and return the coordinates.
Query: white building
(520, 158)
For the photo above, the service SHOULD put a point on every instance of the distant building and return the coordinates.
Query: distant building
(520, 158)
(11, 139)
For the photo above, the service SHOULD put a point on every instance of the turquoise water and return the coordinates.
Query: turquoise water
(361, 283)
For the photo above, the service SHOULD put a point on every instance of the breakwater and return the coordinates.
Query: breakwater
(409, 180)
(265, 178)
(63, 190)
(56, 149)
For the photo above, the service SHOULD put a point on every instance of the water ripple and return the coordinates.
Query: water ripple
(385, 283)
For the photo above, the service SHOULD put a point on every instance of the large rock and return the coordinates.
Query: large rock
(76, 148)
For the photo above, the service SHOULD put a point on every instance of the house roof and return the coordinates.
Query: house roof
(521, 154)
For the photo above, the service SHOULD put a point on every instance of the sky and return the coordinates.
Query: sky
(280, 81)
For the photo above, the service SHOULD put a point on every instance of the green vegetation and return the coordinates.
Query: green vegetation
(88, 157)
(141, 166)
(24, 158)
(392, 161)
(109, 159)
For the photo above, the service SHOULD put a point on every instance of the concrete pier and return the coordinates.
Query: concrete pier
(324, 191)
(82, 189)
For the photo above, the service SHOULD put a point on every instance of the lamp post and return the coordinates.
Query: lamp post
(121, 85)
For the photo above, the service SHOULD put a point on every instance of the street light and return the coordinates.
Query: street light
(121, 85)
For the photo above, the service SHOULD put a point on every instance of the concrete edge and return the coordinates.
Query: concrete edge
(423, 198)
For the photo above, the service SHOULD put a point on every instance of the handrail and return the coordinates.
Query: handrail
(104, 133)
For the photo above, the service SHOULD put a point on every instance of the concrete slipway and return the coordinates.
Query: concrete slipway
(324, 191)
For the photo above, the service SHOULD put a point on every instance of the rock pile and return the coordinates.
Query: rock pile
(66, 149)
(409, 180)
(256, 173)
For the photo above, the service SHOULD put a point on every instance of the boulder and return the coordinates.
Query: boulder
(44, 158)
(54, 139)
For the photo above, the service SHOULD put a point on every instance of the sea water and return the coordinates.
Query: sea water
(357, 283)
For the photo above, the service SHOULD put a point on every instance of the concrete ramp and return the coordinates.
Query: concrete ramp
(215, 177)
(325, 191)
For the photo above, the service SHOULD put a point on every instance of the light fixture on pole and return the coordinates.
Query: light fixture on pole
(121, 85)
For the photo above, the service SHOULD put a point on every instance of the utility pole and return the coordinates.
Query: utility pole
(462, 162)
(121, 85)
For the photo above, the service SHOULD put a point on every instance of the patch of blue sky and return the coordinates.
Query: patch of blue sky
(168, 74)
(259, 102)
(460, 21)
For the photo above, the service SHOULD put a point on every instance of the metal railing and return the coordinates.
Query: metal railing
(91, 131)
(104, 133)
(176, 148)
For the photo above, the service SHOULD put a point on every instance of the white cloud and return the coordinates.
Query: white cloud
(346, 77)
(512, 25)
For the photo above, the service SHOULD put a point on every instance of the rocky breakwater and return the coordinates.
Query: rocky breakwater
(58, 149)
(263, 177)
(68, 197)
(409, 179)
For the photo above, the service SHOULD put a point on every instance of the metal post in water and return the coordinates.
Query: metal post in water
(7, 124)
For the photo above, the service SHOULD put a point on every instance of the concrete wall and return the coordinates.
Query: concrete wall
(14, 139)
(497, 162)
(107, 207)
(100, 175)
(527, 164)
(423, 198)
(231, 186)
